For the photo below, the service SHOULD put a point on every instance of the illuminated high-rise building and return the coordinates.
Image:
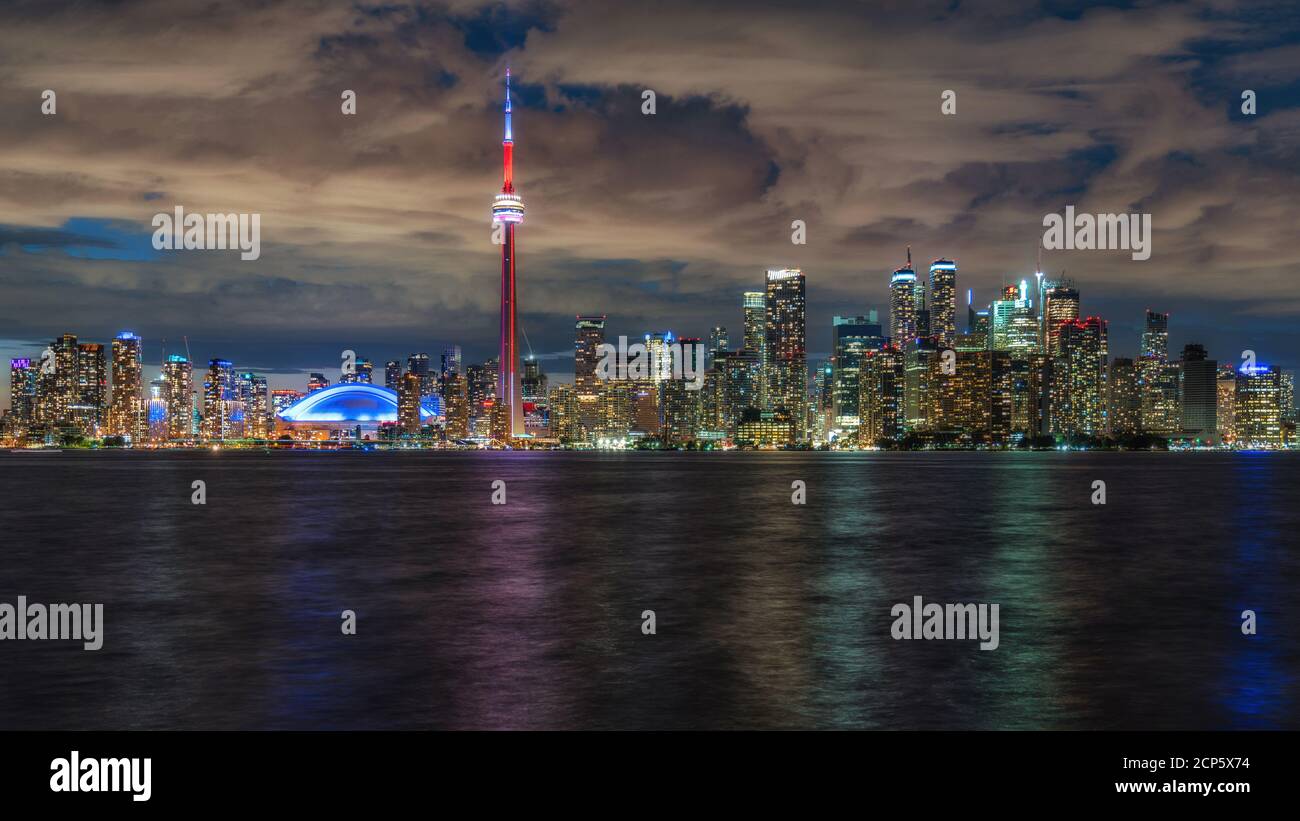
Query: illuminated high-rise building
(408, 403)
(316, 382)
(1030, 396)
(974, 403)
(943, 301)
(1257, 407)
(1288, 397)
(917, 358)
(451, 361)
(392, 373)
(155, 411)
(24, 376)
(1012, 325)
(533, 382)
(222, 413)
(682, 404)
(508, 213)
(1022, 331)
(1226, 390)
(589, 335)
(1155, 336)
(719, 342)
(89, 411)
(283, 398)
(1124, 401)
(1077, 380)
(851, 338)
(787, 359)
(902, 304)
(563, 403)
(255, 398)
(455, 392)
(1060, 304)
(1199, 394)
(755, 312)
(126, 409)
(614, 419)
(178, 376)
(658, 347)
(880, 400)
(420, 365)
(57, 383)
(740, 375)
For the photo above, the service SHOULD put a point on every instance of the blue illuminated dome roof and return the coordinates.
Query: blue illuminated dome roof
(348, 402)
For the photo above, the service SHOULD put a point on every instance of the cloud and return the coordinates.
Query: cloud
(375, 227)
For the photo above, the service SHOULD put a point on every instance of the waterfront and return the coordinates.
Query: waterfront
(769, 615)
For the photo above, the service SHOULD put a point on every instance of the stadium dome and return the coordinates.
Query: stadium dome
(348, 402)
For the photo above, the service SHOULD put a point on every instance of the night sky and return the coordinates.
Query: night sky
(375, 227)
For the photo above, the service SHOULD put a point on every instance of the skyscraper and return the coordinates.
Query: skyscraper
(1060, 304)
(1077, 379)
(57, 384)
(222, 415)
(902, 304)
(456, 393)
(1225, 415)
(1199, 394)
(943, 301)
(589, 335)
(126, 410)
(787, 359)
(533, 382)
(392, 373)
(23, 378)
(719, 342)
(451, 361)
(563, 402)
(508, 212)
(755, 308)
(89, 411)
(1257, 406)
(418, 364)
(1155, 336)
(155, 412)
(408, 404)
(179, 396)
(1012, 326)
(851, 338)
(881, 397)
(1124, 402)
(1159, 379)
(255, 398)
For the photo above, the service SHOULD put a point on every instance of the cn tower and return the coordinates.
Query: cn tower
(508, 211)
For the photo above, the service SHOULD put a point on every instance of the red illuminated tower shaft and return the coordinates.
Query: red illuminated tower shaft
(508, 212)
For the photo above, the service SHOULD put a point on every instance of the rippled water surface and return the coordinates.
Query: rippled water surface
(769, 615)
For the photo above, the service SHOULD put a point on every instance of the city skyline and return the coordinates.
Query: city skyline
(1032, 369)
(377, 239)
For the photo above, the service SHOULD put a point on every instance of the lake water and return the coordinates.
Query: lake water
(767, 614)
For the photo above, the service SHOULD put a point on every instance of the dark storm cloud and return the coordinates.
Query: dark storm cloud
(375, 227)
